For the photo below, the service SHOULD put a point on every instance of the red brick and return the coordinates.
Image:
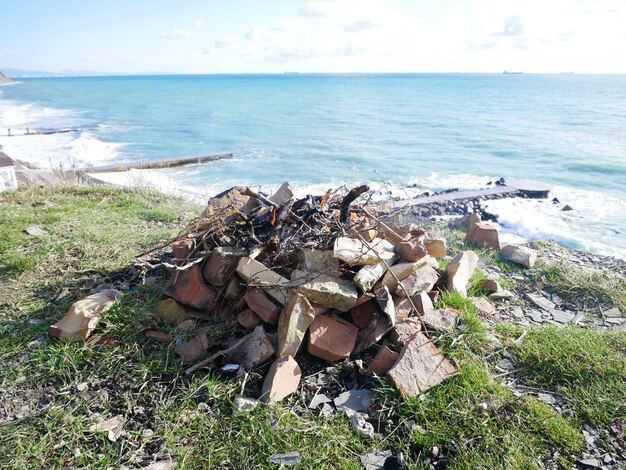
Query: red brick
(484, 236)
(403, 330)
(220, 267)
(330, 339)
(260, 304)
(188, 288)
(363, 313)
(183, 248)
(384, 359)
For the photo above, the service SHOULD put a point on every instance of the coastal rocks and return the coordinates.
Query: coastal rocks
(484, 236)
(460, 270)
(83, 316)
(419, 367)
(518, 254)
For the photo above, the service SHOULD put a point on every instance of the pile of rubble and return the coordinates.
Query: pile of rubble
(322, 278)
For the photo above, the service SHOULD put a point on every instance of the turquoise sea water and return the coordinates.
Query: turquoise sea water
(427, 130)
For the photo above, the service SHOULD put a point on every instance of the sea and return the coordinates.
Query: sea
(404, 134)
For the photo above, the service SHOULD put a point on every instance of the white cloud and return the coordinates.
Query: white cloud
(7, 53)
(198, 23)
(176, 33)
(482, 35)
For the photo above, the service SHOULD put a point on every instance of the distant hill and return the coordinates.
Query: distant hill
(4, 80)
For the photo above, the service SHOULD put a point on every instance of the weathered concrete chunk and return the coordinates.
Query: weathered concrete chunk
(281, 380)
(260, 304)
(384, 359)
(400, 271)
(295, 320)
(442, 319)
(282, 195)
(369, 275)
(436, 246)
(331, 292)
(83, 316)
(193, 349)
(483, 235)
(483, 306)
(221, 265)
(356, 253)
(331, 339)
(460, 270)
(248, 319)
(419, 367)
(403, 330)
(252, 350)
(316, 261)
(412, 250)
(255, 273)
(189, 288)
(420, 280)
(518, 254)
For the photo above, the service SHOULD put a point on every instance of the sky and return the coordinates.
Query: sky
(275, 36)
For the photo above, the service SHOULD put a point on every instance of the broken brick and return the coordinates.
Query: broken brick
(330, 339)
(188, 288)
(262, 305)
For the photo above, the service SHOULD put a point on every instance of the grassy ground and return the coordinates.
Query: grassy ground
(51, 393)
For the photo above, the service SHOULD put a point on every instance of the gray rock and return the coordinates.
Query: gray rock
(590, 463)
(375, 460)
(562, 316)
(540, 301)
(536, 316)
(319, 399)
(242, 404)
(35, 231)
(355, 400)
(288, 459)
(360, 423)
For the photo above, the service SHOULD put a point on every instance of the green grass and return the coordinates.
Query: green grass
(587, 367)
(583, 287)
(94, 233)
(87, 228)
